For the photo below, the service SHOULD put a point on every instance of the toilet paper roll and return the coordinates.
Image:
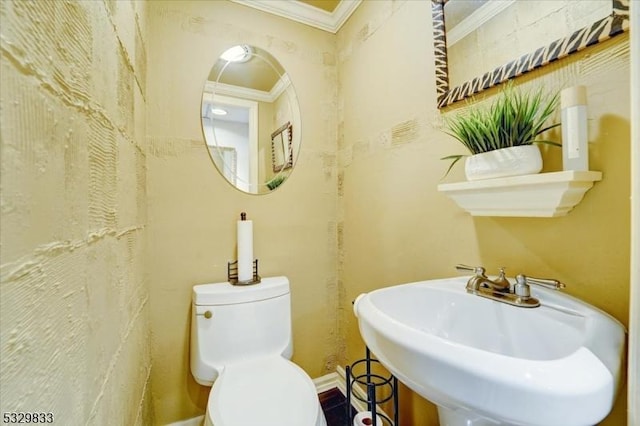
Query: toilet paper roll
(245, 250)
(364, 418)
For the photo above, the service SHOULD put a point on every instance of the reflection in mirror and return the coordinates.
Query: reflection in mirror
(226, 159)
(508, 29)
(481, 43)
(281, 152)
(247, 97)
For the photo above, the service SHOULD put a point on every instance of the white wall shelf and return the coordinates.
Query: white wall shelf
(538, 195)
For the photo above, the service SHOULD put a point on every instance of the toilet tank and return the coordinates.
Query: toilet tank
(231, 324)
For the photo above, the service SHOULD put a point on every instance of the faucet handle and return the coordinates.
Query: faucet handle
(543, 282)
(521, 289)
(502, 279)
(478, 270)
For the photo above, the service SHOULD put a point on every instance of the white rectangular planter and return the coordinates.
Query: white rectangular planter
(538, 195)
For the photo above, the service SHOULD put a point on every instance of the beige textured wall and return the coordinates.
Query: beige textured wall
(398, 228)
(192, 211)
(95, 159)
(74, 300)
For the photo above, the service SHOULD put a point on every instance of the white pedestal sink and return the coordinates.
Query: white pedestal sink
(488, 363)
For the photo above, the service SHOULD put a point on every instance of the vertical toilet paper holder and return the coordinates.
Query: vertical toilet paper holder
(232, 274)
(372, 382)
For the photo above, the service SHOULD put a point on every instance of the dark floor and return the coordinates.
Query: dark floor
(334, 405)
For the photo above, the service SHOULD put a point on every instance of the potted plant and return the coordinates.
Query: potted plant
(276, 182)
(501, 137)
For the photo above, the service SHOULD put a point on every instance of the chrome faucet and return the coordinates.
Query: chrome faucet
(501, 290)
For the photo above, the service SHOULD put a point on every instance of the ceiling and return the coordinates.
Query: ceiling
(327, 15)
(326, 5)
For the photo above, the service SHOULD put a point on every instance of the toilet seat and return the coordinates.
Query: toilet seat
(269, 391)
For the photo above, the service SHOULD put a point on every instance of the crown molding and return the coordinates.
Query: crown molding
(237, 92)
(211, 87)
(280, 86)
(476, 19)
(305, 14)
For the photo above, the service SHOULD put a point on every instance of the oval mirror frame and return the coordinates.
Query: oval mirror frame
(250, 119)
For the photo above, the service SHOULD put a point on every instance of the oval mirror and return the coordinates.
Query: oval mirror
(251, 119)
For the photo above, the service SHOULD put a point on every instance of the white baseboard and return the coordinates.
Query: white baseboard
(338, 380)
(328, 381)
(194, 421)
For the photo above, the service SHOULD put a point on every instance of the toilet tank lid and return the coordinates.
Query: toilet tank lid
(227, 294)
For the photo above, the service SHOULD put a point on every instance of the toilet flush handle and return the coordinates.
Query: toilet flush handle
(206, 314)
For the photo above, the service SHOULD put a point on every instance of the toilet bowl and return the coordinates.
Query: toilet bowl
(265, 391)
(241, 343)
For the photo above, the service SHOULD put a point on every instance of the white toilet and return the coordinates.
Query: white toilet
(241, 344)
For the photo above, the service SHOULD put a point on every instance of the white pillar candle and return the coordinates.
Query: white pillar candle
(575, 150)
(245, 249)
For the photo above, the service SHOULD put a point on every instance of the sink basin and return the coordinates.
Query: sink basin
(486, 362)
